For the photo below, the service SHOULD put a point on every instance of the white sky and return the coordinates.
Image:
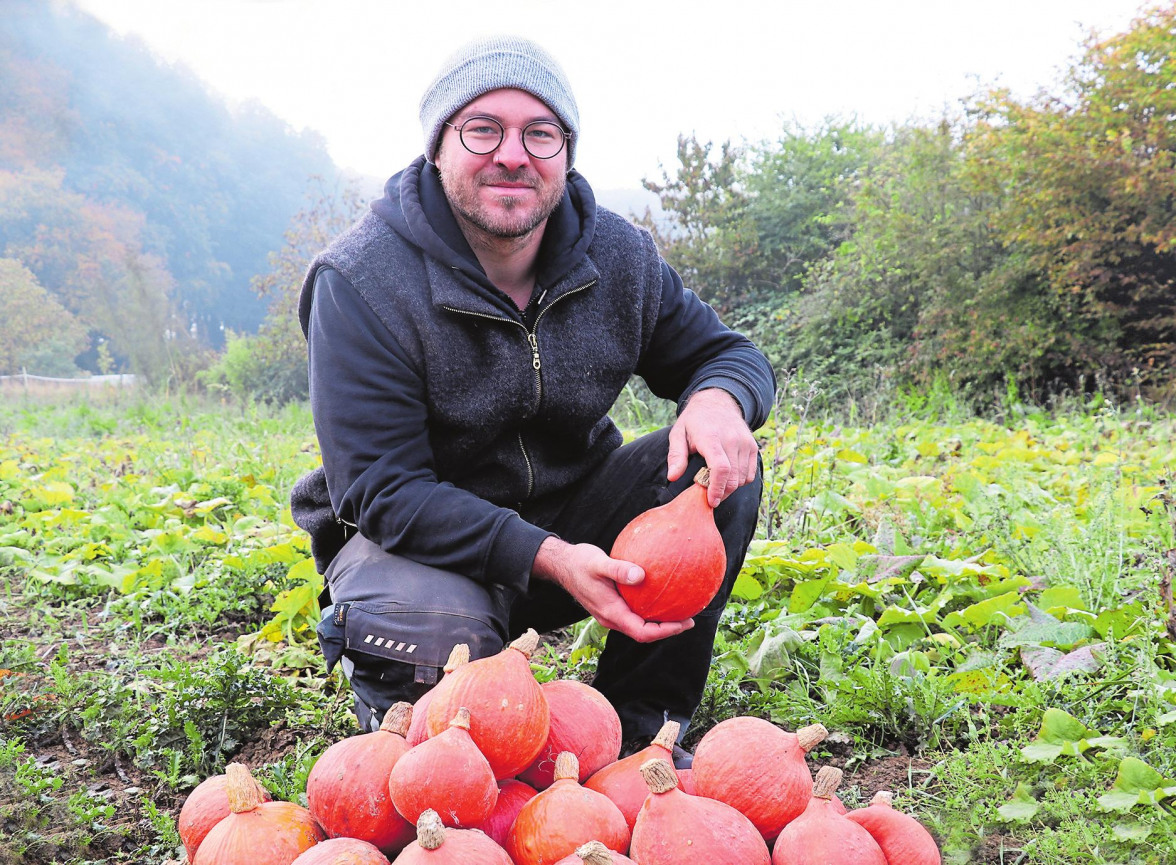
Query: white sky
(643, 70)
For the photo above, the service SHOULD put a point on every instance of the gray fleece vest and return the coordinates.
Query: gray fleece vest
(515, 412)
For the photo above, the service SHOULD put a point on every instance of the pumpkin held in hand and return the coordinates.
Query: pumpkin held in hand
(681, 551)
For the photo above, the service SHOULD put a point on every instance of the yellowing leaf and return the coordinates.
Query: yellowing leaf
(209, 535)
(998, 610)
(852, 456)
(53, 494)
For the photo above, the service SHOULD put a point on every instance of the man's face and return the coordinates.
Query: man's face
(506, 193)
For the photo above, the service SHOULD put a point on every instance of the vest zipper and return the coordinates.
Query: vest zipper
(530, 468)
(532, 334)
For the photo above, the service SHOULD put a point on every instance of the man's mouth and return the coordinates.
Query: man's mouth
(507, 182)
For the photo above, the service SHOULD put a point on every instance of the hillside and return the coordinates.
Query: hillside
(134, 196)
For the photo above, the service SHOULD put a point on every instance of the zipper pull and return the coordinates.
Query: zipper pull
(534, 340)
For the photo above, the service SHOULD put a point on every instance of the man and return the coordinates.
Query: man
(467, 338)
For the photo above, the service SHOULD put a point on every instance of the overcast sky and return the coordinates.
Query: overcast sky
(643, 70)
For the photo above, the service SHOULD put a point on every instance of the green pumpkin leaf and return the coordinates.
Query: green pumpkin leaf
(807, 593)
(1058, 727)
(747, 587)
(1063, 597)
(1021, 808)
(1137, 783)
(1120, 622)
(1053, 633)
(873, 568)
(1132, 832)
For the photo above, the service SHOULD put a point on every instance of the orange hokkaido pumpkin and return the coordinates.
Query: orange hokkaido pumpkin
(512, 796)
(257, 832)
(510, 717)
(681, 551)
(347, 789)
(595, 853)
(757, 768)
(447, 774)
(622, 781)
(674, 827)
(342, 851)
(418, 731)
(206, 806)
(583, 722)
(903, 839)
(563, 817)
(820, 835)
(436, 845)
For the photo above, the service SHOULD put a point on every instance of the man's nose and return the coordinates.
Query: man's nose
(511, 154)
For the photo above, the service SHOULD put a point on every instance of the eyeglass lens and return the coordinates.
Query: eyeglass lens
(481, 135)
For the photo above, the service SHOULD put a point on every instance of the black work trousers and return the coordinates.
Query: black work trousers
(393, 622)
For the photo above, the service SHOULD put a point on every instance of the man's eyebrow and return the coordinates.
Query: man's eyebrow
(465, 114)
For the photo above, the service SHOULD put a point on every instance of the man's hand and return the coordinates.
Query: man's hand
(712, 426)
(588, 574)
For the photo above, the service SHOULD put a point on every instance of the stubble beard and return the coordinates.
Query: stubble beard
(507, 220)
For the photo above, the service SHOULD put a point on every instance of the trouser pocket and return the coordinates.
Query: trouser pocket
(370, 633)
(393, 624)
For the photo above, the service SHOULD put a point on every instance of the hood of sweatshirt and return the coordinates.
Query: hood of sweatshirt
(415, 207)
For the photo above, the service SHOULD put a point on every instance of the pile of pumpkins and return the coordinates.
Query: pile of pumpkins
(492, 768)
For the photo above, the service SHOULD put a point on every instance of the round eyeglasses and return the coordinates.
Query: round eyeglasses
(481, 135)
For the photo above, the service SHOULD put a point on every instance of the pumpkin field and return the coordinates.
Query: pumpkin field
(979, 612)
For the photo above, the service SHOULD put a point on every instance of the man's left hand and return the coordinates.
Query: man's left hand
(712, 426)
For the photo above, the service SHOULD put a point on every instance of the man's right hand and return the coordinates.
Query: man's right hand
(590, 576)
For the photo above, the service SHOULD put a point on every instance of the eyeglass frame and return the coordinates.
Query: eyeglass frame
(567, 136)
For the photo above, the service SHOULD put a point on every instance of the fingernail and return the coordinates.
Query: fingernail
(634, 576)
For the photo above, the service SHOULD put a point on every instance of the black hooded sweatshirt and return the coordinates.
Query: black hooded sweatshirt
(442, 410)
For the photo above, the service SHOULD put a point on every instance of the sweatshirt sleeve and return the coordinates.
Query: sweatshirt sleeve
(691, 349)
(371, 419)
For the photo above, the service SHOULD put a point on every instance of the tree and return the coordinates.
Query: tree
(710, 239)
(1088, 180)
(38, 334)
(746, 225)
(271, 366)
(799, 189)
(89, 256)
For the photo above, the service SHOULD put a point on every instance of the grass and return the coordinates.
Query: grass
(157, 613)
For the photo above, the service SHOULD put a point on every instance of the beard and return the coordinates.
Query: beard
(508, 217)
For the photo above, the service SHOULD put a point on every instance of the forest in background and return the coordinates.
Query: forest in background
(1015, 249)
(135, 205)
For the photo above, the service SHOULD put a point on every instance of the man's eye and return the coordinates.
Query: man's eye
(544, 132)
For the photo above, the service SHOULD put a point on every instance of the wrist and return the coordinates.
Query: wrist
(551, 560)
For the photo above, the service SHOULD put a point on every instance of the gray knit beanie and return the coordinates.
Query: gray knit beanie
(488, 64)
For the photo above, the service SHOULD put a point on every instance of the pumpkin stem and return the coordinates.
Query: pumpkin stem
(883, 797)
(397, 719)
(527, 643)
(703, 477)
(659, 776)
(430, 830)
(827, 781)
(811, 736)
(567, 766)
(459, 657)
(242, 790)
(667, 735)
(461, 719)
(595, 853)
